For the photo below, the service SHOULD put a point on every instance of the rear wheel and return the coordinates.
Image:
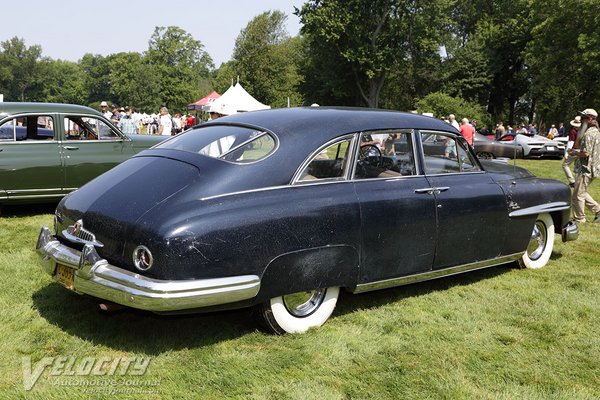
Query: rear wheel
(540, 244)
(485, 155)
(297, 312)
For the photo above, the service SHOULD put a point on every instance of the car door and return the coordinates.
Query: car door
(398, 223)
(471, 208)
(91, 146)
(30, 164)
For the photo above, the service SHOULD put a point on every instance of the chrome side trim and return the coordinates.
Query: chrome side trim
(542, 208)
(94, 276)
(24, 191)
(434, 274)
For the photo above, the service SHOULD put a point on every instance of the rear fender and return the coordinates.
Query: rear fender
(310, 269)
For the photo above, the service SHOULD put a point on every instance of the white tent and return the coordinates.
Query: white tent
(235, 100)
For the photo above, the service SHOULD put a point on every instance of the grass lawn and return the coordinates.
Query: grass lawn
(500, 333)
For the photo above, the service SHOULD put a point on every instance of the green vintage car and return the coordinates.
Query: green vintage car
(49, 150)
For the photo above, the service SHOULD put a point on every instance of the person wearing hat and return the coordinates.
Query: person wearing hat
(220, 110)
(587, 165)
(568, 160)
(104, 109)
(128, 124)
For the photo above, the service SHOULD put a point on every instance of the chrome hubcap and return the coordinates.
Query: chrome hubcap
(537, 243)
(302, 304)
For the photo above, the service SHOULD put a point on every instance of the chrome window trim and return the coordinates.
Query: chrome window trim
(247, 126)
(460, 141)
(120, 135)
(8, 117)
(414, 153)
(296, 177)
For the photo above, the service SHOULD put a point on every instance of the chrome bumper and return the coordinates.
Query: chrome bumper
(570, 231)
(94, 276)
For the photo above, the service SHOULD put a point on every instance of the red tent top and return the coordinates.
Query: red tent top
(204, 101)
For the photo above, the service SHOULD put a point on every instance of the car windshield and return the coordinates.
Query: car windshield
(230, 143)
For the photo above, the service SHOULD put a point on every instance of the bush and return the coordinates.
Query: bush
(442, 105)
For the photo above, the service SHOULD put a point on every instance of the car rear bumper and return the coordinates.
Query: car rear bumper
(543, 152)
(94, 276)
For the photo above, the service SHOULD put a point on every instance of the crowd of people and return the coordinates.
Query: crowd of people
(131, 122)
(583, 150)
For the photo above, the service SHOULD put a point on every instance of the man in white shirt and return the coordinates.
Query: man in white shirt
(165, 124)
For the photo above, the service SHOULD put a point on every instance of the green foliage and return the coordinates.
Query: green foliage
(20, 70)
(62, 82)
(372, 39)
(265, 59)
(442, 105)
(179, 66)
(563, 57)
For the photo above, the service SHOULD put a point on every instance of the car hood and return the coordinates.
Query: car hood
(502, 170)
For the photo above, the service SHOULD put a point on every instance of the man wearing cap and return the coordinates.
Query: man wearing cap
(104, 109)
(587, 165)
(568, 160)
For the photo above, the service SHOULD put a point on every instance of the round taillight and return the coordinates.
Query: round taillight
(142, 258)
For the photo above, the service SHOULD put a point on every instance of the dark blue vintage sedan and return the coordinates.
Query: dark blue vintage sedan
(279, 209)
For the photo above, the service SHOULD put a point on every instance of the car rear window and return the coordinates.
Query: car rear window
(230, 143)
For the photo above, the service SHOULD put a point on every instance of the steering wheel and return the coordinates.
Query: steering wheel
(370, 154)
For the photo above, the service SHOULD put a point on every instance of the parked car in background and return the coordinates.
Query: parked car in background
(280, 209)
(487, 149)
(49, 150)
(537, 146)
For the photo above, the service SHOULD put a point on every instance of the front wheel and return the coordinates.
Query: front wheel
(541, 243)
(297, 312)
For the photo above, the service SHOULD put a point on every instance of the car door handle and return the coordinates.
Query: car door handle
(432, 190)
(71, 148)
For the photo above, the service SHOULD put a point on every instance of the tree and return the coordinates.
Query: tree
(182, 66)
(563, 57)
(375, 37)
(442, 105)
(266, 60)
(61, 82)
(19, 71)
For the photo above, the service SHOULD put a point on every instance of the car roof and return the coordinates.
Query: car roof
(330, 122)
(10, 108)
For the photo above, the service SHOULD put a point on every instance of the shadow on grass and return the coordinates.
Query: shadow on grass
(134, 330)
(350, 303)
(27, 210)
(144, 332)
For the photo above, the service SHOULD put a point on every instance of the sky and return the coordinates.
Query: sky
(68, 29)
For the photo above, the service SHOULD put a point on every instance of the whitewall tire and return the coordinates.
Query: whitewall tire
(541, 243)
(298, 312)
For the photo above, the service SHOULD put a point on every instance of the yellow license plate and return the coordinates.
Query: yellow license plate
(65, 276)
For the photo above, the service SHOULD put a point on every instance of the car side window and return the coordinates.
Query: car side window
(28, 128)
(87, 128)
(329, 163)
(444, 154)
(385, 154)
